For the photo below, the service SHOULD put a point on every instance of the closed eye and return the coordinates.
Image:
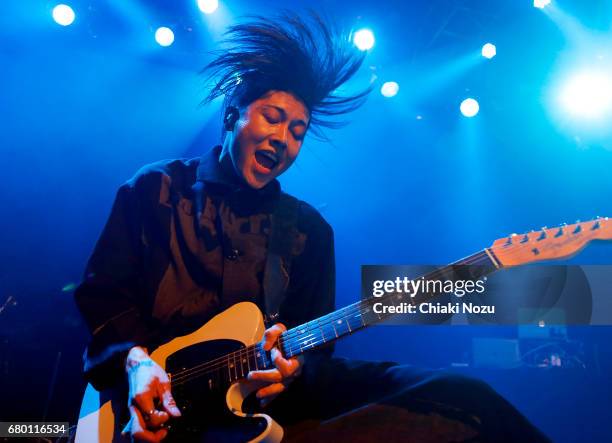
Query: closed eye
(298, 134)
(272, 117)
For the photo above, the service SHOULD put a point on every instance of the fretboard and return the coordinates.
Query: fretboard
(359, 315)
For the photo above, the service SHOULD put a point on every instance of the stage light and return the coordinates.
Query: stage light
(208, 6)
(469, 107)
(489, 50)
(164, 36)
(364, 39)
(389, 89)
(63, 15)
(541, 4)
(587, 94)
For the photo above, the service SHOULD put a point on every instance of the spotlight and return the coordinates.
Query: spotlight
(587, 94)
(389, 89)
(164, 36)
(208, 6)
(489, 50)
(364, 39)
(63, 15)
(469, 107)
(541, 4)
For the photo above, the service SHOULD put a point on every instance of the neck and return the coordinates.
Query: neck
(360, 315)
(226, 163)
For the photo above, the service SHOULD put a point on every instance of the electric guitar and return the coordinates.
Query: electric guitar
(209, 366)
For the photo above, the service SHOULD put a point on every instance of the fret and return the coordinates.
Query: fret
(229, 367)
(322, 330)
(370, 316)
(234, 366)
(252, 358)
(244, 361)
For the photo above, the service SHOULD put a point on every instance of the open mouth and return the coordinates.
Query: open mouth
(266, 159)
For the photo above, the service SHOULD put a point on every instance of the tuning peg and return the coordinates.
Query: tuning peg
(542, 235)
(596, 225)
(525, 239)
(559, 233)
(577, 230)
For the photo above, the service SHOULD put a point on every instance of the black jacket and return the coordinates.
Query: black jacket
(156, 272)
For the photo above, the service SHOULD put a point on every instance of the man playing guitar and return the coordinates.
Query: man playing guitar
(187, 239)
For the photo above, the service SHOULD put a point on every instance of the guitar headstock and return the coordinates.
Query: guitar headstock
(550, 243)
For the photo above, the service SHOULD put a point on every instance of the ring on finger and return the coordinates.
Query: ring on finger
(147, 415)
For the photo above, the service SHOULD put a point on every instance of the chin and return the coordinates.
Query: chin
(255, 183)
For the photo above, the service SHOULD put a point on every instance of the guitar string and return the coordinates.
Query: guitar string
(185, 375)
(289, 335)
(349, 309)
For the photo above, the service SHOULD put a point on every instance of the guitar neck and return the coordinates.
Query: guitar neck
(546, 244)
(359, 315)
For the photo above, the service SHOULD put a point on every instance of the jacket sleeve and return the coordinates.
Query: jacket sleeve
(110, 297)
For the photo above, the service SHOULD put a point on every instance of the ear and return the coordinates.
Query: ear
(231, 117)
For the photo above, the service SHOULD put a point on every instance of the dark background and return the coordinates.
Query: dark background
(83, 107)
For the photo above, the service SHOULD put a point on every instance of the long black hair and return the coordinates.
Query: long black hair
(304, 55)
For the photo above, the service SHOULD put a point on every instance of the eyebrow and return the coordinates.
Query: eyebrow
(284, 114)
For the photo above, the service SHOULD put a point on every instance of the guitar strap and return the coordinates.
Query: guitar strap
(283, 234)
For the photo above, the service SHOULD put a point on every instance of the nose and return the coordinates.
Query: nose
(279, 140)
(278, 144)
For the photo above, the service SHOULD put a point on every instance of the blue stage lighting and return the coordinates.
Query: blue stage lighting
(489, 50)
(208, 6)
(587, 94)
(164, 36)
(541, 4)
(63, 15)
(389, 89)
(364, 39)
(469, 107)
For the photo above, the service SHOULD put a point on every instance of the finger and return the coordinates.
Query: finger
(287, 368)
(137, 429)
(273, 389)
(144, 402)
(152, 418)
(168, 401)
(272, 334)
(269, 375)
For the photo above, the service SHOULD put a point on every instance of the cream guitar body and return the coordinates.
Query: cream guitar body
(103, 414)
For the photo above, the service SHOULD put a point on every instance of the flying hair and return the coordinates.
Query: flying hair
(306, 56)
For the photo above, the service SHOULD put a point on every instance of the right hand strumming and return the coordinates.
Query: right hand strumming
(150, 400)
